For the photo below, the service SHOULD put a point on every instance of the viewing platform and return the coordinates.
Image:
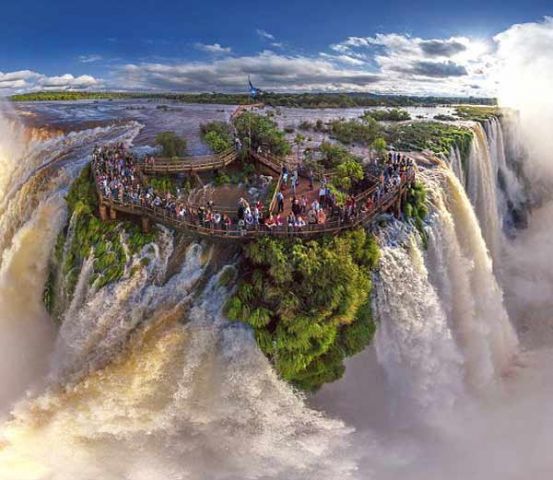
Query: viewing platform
(369, 204)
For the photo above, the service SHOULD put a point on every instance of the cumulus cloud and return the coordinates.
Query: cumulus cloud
(454, 65)
(28, 80)
(268, 69)
(214, 48)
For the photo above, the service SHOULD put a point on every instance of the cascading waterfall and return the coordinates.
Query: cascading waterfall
(444, 328)
(145, 379)
(492, 185)
(482, 189)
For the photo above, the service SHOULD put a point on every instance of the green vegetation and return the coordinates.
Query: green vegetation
(391, 115)
(308, 303)
(346, 172)
(109, 244)
(445, 118)
(71, 96)
(171, 144)
(334, 155)
(437, 137)
(354, 131)
(264, 133)
(415, 208)
(233, 176)
(477, 113)
(304, 100)
(218, 135)
(163, 184)
(380, 147)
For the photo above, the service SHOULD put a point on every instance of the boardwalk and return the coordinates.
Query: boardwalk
(192, 223)
(190, 165)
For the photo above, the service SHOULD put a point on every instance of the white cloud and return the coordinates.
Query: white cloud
(454, 65)
(214, 48)
(265, 35)
(90, 58)
(28, 80)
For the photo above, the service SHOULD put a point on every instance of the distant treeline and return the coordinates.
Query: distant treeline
(304, 100)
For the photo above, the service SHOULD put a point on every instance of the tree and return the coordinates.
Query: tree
(172, 145)
(256, 130)
(380, 147)
(298, 141)
(346, 172)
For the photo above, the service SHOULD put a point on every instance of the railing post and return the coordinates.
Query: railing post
(103, 212)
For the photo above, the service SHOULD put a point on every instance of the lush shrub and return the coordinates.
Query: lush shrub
(163, 184)
(334, 155)
(218, 135)
(308, 302)
(346, 172)
(391, 115)
(415, 208)
(172, 145)
(354, 131)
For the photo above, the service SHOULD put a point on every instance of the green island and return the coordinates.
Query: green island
(308, 301)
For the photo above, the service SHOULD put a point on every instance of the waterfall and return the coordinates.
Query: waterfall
(145, 379)
(482, 189)
(414, 341)
(444, 328)
(492, 185)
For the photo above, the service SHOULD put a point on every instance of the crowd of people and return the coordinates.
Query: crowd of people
(120, 179)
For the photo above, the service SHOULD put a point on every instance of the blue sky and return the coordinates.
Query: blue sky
(285, 45)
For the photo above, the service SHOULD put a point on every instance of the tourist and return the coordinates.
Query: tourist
(312, 216)
(303, 204)
(280, 202)
(296, 207)
(322, 196)
(321, 217)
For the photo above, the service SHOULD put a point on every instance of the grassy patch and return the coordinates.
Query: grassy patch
(437, 137)
(477, 113)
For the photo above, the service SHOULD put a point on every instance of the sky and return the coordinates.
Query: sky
(390, 46)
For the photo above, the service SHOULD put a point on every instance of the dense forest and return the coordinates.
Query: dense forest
(304, 100)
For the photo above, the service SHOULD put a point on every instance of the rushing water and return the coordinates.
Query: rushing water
(143, 379)
(146, 380)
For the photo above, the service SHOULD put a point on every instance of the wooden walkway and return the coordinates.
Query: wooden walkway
(192, 165)
(388, 201)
